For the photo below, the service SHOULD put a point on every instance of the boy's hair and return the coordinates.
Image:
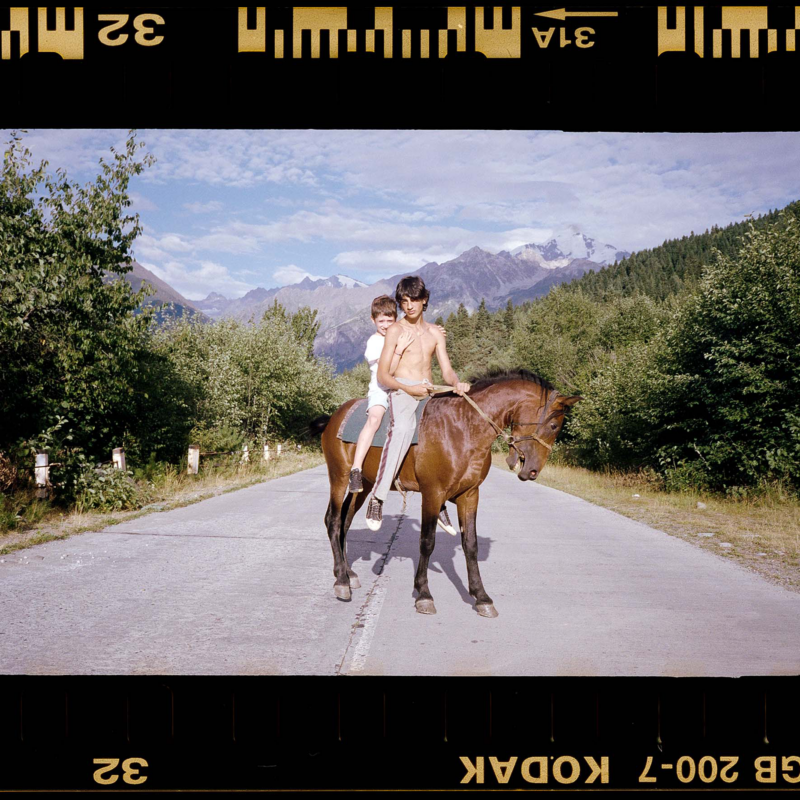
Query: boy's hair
(384, 305)
(412, 287)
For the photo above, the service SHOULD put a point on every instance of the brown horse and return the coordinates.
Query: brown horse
(450, 462)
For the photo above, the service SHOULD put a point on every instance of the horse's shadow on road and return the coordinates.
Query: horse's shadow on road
(362, 548)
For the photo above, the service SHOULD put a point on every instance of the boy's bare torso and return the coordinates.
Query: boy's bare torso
(415, 363)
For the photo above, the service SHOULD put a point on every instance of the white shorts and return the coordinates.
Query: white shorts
(377, 397)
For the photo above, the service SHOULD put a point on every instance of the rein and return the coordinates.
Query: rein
(510, 440)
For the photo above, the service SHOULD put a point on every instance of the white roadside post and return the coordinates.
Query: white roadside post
(42, 475)
(245, 454)
(279, 451)
(194, 459)
(266, 452)
(118, 457)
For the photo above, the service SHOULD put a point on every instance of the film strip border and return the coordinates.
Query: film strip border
(615, 67)
(496, 32)
(270, 733)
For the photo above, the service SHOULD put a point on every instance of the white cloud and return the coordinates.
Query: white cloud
(333, 222)
(376, 263)
(203, 208)
(285, 276)
(175, 243)
(230, 158)
(227, 243)
(408, 196)
(141, 203)
(198, 280)
(158, 246)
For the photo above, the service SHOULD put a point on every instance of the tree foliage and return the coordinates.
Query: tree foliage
(734, 411)
(70, 343)
(260, 380)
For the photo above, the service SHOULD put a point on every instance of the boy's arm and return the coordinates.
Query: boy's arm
(402, 343)
(448, 373)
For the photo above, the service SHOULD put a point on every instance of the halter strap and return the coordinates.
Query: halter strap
(511, 441)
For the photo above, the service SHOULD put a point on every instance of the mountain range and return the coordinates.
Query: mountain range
(343, 303)
(176, 304)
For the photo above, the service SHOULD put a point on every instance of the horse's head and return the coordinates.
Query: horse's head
(534, 432)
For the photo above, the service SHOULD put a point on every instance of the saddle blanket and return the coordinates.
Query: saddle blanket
(356, 418)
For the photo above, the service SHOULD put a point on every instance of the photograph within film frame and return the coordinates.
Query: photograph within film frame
(677, 68)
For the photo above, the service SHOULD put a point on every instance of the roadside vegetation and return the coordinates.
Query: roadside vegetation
(88, 367)
(27, 521)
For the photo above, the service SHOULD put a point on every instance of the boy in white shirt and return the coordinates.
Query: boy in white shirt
(384, 314)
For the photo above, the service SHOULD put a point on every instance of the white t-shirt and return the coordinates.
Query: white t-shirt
(373, 356)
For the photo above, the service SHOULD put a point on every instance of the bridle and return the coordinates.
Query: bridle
(510, 440)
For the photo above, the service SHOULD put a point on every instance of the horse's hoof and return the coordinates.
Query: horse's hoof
(486, 610)
(355, 583)
(425, 607)
(342, 592)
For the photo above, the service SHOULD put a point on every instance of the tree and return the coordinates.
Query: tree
(70, 343)
(260, 381)
(733, 415)
(305, 326)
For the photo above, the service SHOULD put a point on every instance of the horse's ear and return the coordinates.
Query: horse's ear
(568, 402)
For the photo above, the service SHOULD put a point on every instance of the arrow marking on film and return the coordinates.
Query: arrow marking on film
(562, 13)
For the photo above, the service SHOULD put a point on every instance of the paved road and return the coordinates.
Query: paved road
(242, 584)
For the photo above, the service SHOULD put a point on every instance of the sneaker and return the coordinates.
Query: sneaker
(355, 481)
(374, 514)
(444, 521)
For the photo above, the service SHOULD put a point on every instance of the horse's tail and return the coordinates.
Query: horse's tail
(318, 425)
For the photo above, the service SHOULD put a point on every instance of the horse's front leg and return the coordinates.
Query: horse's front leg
(427, 541)
(467, 505)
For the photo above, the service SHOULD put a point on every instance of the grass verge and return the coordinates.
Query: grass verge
(761, 533)
(170, 489)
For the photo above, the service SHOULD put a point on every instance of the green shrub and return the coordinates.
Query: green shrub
(10, 512)
(220, 438)
(615, 424)
(105, 488)
(734, 366)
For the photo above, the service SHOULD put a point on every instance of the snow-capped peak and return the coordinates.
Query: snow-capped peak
(566, 246)
(348, 282)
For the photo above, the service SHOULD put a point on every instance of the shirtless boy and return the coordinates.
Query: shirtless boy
(409, 384)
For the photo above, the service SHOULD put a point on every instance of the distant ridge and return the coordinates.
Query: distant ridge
(179, 305)
(342, 303)
(675, 265)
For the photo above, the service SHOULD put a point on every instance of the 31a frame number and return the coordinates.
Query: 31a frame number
(130, 771)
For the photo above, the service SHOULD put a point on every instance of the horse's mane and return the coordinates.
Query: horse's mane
(503, 375)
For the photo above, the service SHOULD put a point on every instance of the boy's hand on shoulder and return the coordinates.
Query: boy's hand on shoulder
(442, 330)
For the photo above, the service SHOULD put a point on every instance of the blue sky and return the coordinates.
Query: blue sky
(228, 211)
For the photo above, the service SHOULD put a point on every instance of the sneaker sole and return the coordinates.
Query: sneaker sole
(447, 528)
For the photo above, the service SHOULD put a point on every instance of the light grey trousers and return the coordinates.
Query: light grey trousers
(402, 422)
